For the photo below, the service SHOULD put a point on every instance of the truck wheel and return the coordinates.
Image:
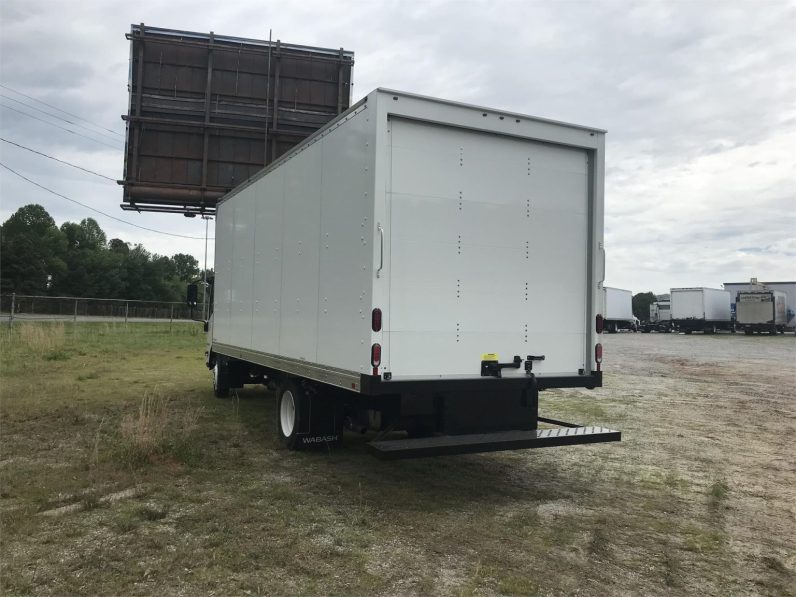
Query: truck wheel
(221, 378)
(747, 332)
(307, 417)
(687, 332)
(289, 405)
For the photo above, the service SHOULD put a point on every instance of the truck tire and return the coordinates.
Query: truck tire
(747, 332)
(290, 402)
(307, 416)
(221, 377)
(687, 332)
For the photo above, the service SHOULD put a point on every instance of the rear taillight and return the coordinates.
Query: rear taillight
(375, 355)
(598, 355)
(375, 320)
(599, 324)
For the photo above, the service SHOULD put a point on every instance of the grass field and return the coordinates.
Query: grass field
(121, 474)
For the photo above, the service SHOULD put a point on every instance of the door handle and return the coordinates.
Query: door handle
(381, 250)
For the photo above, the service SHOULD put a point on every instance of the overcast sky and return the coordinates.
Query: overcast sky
(699, 100)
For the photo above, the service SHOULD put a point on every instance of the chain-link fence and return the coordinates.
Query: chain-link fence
(15, 307)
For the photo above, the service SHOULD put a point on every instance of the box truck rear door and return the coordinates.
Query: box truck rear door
(488, 249)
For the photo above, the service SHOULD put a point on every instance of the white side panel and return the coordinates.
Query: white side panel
(294, 253)
(488, 251)
(222, 288)
(301, 230)
(618, 304)
(347, 246)
(267, 278)
(717, 304)
(240, 307)
(664, 311)
(687, 303)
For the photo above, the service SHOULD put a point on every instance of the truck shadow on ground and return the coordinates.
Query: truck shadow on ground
(438, 483)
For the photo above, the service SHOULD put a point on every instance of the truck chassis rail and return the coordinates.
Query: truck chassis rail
(567, 434)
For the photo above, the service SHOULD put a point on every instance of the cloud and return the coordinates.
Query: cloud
(699, 101)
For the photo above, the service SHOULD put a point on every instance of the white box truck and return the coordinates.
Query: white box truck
(701, 309)
(761, 311)
(660, 319)
(789, 288)
(416, 265)
(619, 310)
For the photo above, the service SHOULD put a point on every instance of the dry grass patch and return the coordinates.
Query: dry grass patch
(39, 340)
(158, 431)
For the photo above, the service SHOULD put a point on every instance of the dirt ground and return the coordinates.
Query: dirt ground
(698, 499)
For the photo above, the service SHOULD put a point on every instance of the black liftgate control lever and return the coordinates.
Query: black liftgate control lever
(491, 367)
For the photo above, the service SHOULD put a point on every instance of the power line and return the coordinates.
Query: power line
(60, 127)
(51, 115)
(57, 160)
(60, 110)
(107, 215)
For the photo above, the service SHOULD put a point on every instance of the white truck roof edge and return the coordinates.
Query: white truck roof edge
(581, 127)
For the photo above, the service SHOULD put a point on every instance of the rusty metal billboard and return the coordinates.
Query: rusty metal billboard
(206, 112)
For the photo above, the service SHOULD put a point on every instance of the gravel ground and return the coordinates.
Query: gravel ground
(699, 498)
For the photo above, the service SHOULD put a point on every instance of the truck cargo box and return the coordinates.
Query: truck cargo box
(789, 288)
(761, 310)
(472, 231)
(618, 310)
(697, 308)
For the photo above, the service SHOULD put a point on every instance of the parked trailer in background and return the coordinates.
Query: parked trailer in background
(417, 265)
(660, 319)
(619, 310)
(701, 309)
(789, 288)
(761, 311)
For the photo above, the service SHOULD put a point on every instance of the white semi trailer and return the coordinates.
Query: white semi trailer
(701, 309)
(416, 265)
(619, 310)
(761, 311)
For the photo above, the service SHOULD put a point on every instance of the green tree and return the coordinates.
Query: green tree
(117, 245)
(641, 304)
(82, 262)
(32, 252)
(85, 235)
(187, 266)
